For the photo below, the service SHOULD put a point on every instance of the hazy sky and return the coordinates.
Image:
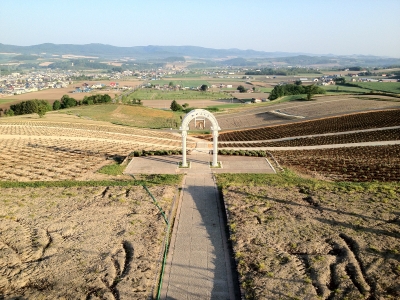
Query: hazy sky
(318, 27)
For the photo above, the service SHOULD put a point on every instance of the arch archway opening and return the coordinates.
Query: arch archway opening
(200, 114)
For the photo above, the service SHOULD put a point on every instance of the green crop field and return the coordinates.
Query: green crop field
(4, 101)
(224, 106)
(191, 75)
(184, 83)
(340, 89)
(388, 87)
(153, 94)
(265, 89)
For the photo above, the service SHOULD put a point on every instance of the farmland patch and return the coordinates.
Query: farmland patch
(372, 163)
(324, 106)
(374, 119)
(84, 242)
(308, 239)
(56, 151)
(356, 137)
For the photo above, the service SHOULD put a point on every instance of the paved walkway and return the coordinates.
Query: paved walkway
(198, 260)
(169, 164)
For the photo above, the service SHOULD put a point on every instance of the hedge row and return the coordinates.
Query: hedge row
(257, 153)
(138, 153)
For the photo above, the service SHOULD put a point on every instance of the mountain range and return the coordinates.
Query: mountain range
(142, 52)
(204, 57)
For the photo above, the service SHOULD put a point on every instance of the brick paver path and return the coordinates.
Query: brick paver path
(199, 264)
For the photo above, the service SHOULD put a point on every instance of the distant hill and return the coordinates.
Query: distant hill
(141, 52)
(204, 57)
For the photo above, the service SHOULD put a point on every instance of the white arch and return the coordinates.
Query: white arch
(185, 127)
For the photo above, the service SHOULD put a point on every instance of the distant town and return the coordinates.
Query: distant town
(20, 83)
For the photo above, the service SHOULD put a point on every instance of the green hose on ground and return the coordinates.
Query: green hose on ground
(166, 239)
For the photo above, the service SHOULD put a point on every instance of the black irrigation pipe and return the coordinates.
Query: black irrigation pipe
(166, 241)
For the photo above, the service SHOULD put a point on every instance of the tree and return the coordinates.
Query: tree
(9, 113)
(298, 82)
(311, 90)
(175, 106)
(30, 107)
(67, 101)
(41, 110)
(185, 105)
(106, 98)
(276, 92)
(340, 80)
(204, 87)
(56, 105)
(241, 89)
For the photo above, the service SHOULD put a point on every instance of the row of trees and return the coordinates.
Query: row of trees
(175, 106)
(30, 107)
(42, 106)
(294, 89)
(67, 101)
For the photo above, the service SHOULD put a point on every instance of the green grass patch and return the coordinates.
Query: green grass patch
(308, 75)
(153, 94)
(291, 98)
(114, 169)
(160, 179)
(289, 178)
(387, 87)
(340, 89)
(240, 106)
(128, 115)
(265, 89)
(183, 83)
(4, 101)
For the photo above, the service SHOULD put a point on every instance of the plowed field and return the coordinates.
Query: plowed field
(374, 119)
(313, 240)
(80, 243)
(381, 163)
(357, 137)
(324, 106)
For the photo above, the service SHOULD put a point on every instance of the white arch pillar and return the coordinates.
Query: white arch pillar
(215, 148)
(184, 162)
(185, 127)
